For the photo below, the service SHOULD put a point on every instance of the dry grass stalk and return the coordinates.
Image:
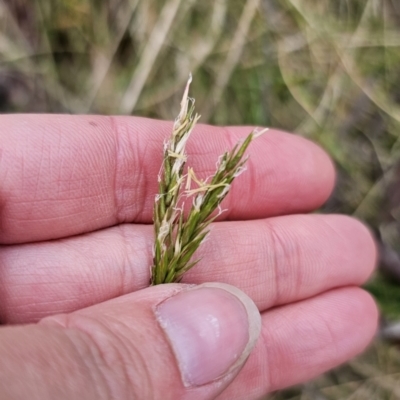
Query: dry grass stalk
(176, 238)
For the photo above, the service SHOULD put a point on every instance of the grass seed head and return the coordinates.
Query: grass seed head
(176, 238)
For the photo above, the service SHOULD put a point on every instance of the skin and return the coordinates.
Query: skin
(76, 199)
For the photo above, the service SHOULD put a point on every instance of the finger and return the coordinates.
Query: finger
(165, 342)
(301, 341)
(64, 175)
(275, 261)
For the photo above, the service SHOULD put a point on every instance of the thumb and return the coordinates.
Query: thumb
(165, 342)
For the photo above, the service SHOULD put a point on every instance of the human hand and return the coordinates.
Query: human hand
(76, 199)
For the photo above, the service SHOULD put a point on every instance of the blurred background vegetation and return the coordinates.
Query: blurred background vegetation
(327, 70)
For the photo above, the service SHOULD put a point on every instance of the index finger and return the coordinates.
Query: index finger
(65, 175)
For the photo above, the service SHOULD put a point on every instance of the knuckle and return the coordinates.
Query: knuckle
(116, 366)
(128, 180)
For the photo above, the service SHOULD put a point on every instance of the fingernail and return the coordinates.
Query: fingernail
(212, 329)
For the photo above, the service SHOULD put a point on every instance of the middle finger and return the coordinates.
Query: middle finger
(275, 261)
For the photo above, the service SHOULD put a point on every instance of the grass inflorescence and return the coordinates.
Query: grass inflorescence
(177, 238)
